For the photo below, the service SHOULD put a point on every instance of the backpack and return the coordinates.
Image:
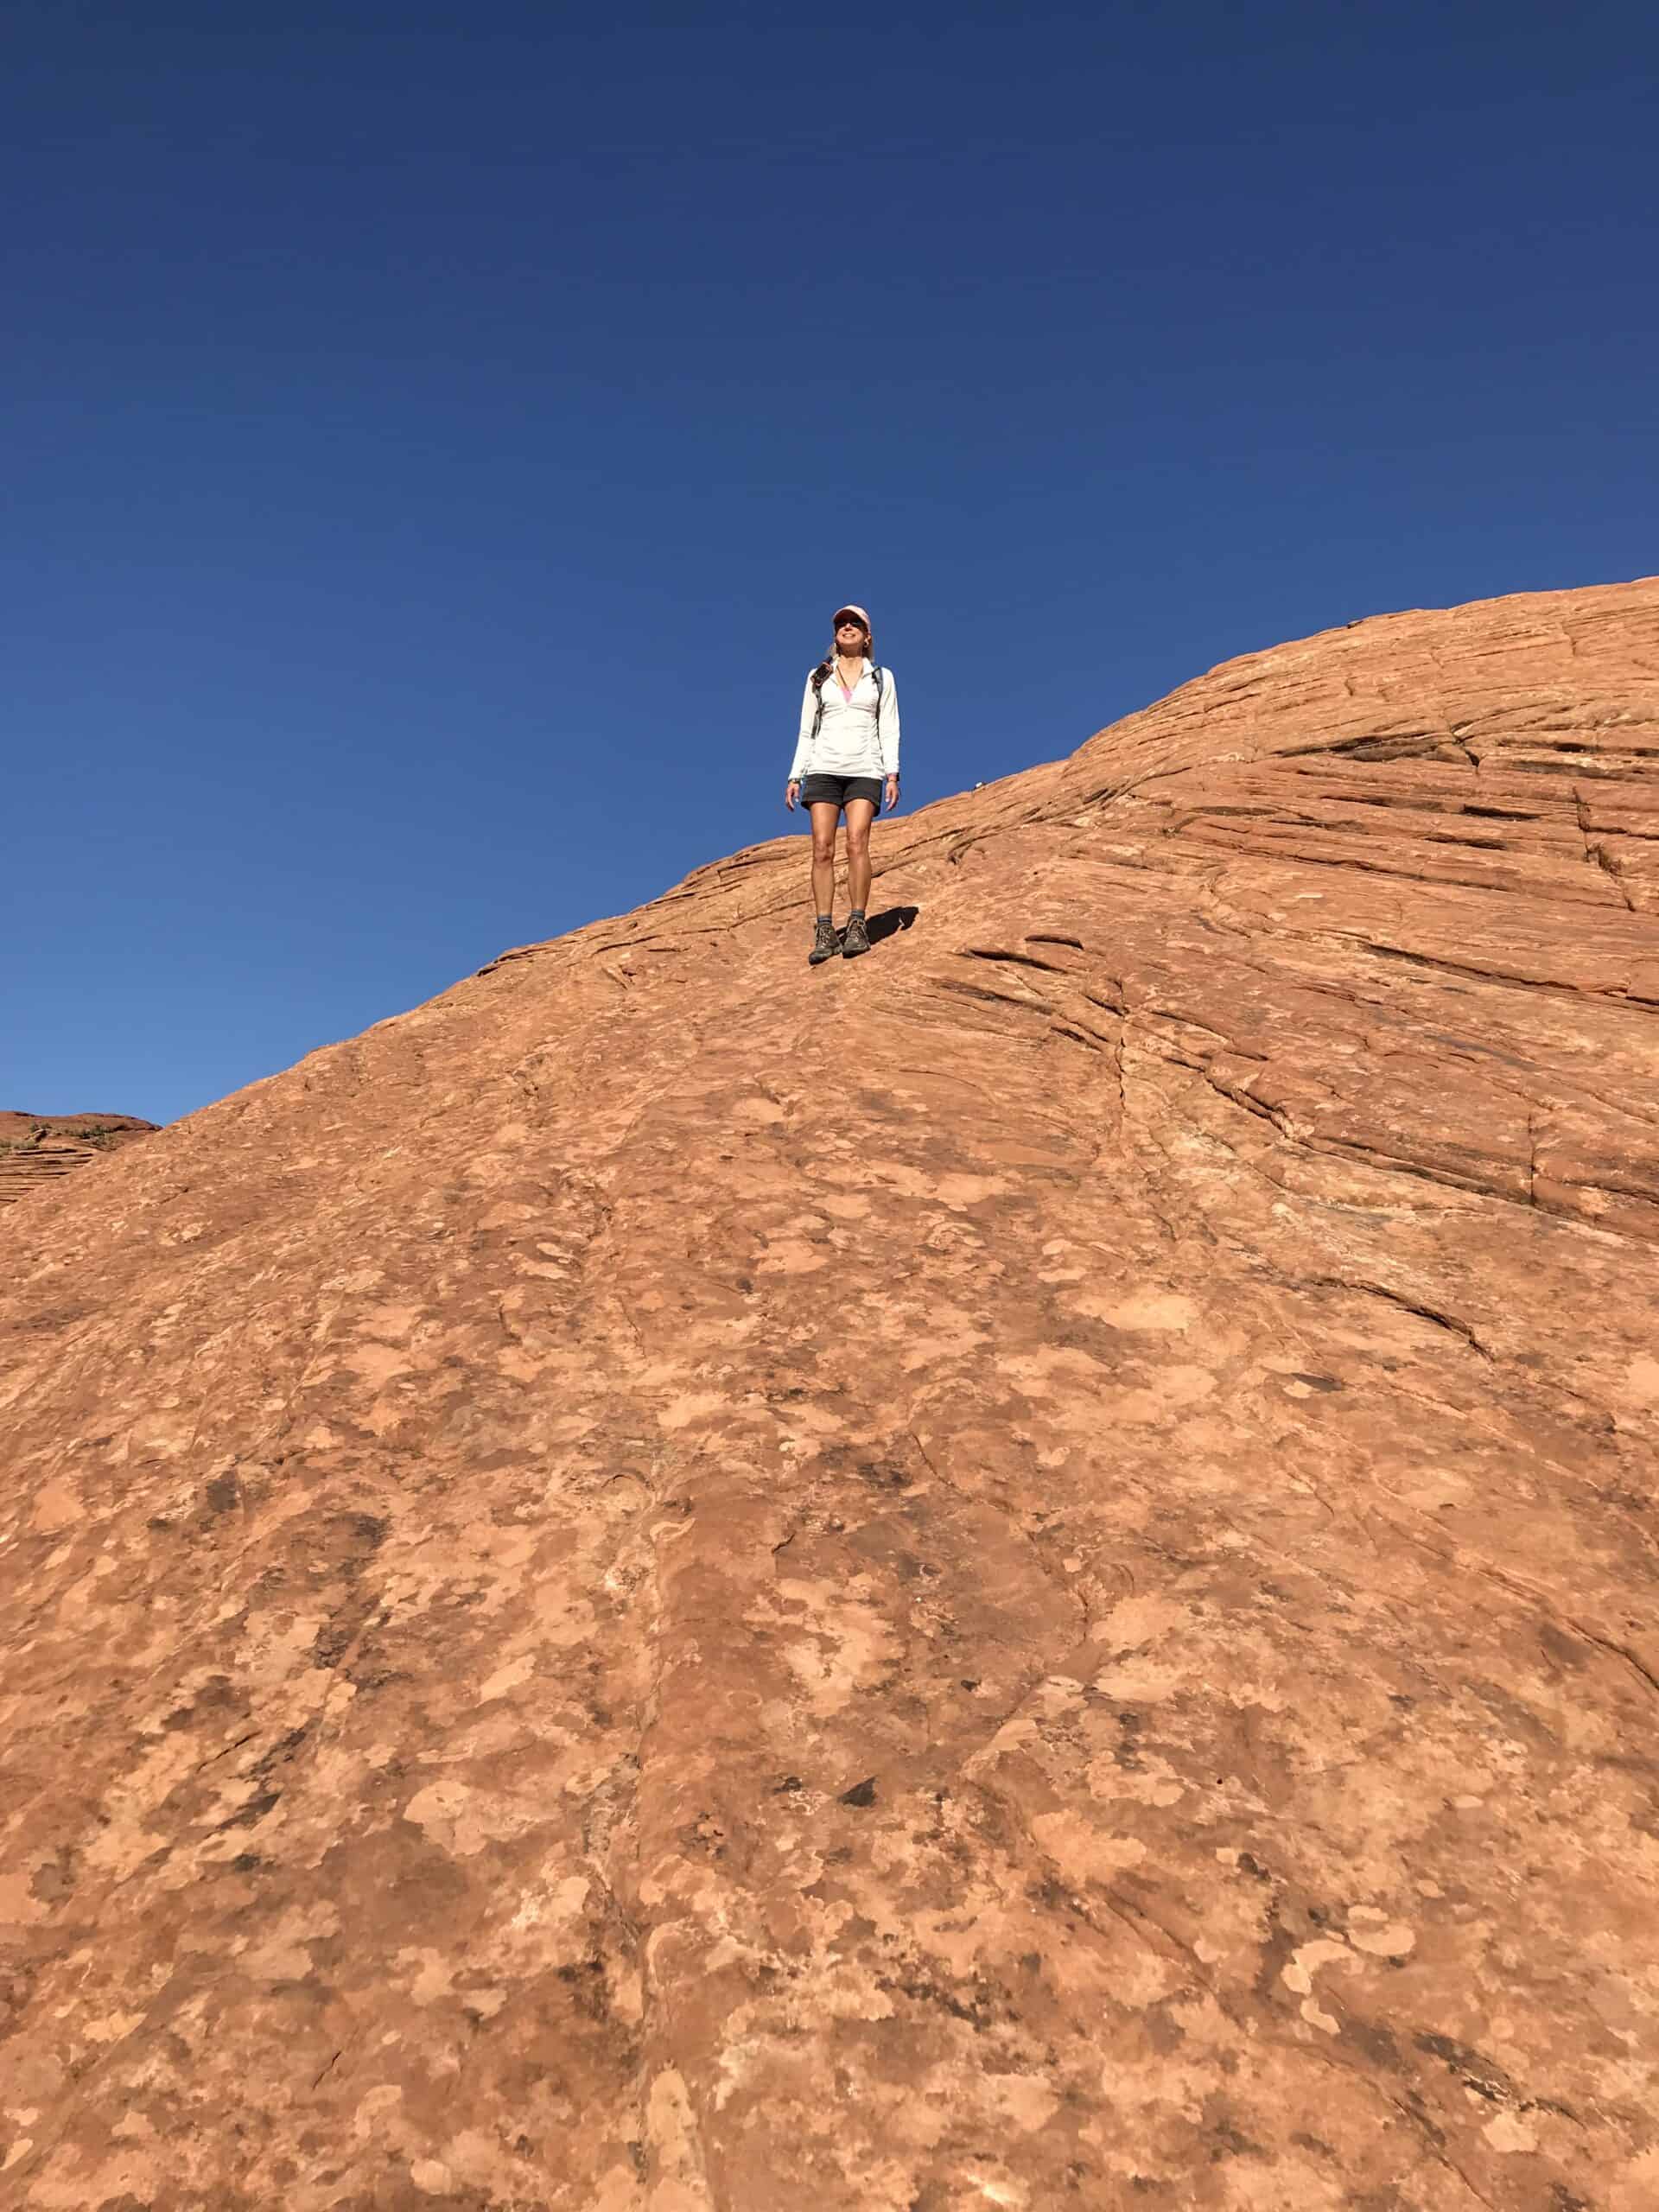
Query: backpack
(820, 677)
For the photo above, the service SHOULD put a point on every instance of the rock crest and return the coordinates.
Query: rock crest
(37, 1148)
(1021, 1573)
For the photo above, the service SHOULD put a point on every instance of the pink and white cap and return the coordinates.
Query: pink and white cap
(850, 607)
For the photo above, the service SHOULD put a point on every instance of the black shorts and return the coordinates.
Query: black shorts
(835, 791)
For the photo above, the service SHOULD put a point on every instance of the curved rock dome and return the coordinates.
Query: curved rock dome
(1018, 1573)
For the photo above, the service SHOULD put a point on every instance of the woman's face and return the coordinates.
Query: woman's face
(850, 638)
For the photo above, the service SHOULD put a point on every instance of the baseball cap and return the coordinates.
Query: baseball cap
(848, 606)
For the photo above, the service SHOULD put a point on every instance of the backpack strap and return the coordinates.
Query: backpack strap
(818, 678)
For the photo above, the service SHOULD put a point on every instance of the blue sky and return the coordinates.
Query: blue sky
(435, 439)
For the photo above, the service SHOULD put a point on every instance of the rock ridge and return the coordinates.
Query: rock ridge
(1021, 1571)
(37, 1148)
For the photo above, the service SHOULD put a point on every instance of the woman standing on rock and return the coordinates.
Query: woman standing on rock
(849, 743)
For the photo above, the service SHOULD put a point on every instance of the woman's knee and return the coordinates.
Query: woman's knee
(858, 843)
(823, 842)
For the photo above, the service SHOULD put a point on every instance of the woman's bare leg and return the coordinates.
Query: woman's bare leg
(860, 815)
(825, 821)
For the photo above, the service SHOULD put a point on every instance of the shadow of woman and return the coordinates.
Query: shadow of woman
(890, 921)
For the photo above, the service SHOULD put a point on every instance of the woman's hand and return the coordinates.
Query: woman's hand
(791, 792)
(892, 795)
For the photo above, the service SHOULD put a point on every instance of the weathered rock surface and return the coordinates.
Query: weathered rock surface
(36, 1148)
(1018, 1573)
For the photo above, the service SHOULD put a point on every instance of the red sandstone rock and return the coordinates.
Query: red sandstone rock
(1018, 1573)
(36, 1148)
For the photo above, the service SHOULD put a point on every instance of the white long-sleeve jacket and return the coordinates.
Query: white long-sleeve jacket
(847, 742)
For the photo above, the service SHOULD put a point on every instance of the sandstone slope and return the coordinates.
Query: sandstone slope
(36, 1148)
(1017, 1574)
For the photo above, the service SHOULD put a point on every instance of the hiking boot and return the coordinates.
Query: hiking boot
(825, 943)
(855, 939)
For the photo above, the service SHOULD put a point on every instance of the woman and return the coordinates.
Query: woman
(849, 743)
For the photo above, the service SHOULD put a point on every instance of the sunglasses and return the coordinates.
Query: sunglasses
(850, 622)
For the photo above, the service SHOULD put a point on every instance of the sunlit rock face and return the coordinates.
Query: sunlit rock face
(38, 1148)
(1018, 1572)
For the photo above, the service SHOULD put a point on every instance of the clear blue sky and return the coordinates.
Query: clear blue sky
(435, 438)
